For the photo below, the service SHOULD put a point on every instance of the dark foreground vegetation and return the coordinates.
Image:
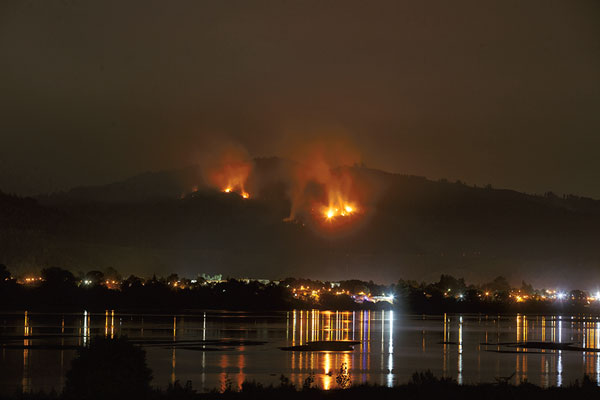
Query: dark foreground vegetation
(116, 369)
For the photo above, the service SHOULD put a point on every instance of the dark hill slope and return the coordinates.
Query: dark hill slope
(413, 228)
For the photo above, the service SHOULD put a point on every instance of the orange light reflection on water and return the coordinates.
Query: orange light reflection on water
(315, 325)
(461, 354)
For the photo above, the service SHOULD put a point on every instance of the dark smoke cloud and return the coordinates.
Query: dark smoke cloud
(501, 92)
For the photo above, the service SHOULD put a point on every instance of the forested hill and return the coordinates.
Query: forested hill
(411, 228)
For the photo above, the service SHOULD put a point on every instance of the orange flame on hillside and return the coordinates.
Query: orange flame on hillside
(233, 177)
(230, 173)
(339, 198)
(323, 185)
(339, 211)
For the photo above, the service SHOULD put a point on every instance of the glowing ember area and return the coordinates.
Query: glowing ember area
(241, 192)
(339, 209)
(232, 177)
(335, 202)
(332, 212)
(325, 192)
(228, 169)
(339, 191)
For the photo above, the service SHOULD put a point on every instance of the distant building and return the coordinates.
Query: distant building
(212, 279)
(261, 281)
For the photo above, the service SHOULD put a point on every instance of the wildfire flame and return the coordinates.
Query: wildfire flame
(241, 192)
(343, 210)
(233, 176)
(323, 187)
(230, 174)
(340, 195)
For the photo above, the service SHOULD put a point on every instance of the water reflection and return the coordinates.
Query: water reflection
(328, 372)
(460, 351)
(86, 327)
(559, 367)
(26, 382)
(445, 341)
(392, 347)
(597, 346)
(62, 352)
(224, 376)
(316, 325)
(390, 374)
(241, 364)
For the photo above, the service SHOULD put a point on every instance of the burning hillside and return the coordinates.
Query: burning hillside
(322, 189)
(340, 201)
(233, 176)
(341, 211)
(320, 186)
(230, 172)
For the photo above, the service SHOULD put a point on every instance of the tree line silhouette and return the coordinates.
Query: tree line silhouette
(97, 290)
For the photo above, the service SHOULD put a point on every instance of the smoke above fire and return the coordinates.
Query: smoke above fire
(228, 169)
(322, 186)
(319, 178)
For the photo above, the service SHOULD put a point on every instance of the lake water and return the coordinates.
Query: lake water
(37, 348)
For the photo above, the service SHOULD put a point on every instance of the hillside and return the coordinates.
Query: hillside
(411, 228)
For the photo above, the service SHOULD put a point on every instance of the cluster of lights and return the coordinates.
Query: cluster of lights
(32, 280)
(315, 293)
(360, 297)
(447, 293)
(307, 292)
(519, 297)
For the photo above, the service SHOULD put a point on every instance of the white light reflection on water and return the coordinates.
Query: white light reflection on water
(559, 366)
(597, 334)
(390, 375)
(460, 350)
(86, 332)
(391, 347)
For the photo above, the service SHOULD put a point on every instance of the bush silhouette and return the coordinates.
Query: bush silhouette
(343, 377)
(108, 369)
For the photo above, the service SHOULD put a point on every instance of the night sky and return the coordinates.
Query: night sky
(502, 92)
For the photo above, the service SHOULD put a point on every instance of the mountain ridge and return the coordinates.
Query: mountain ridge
(413, 228)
